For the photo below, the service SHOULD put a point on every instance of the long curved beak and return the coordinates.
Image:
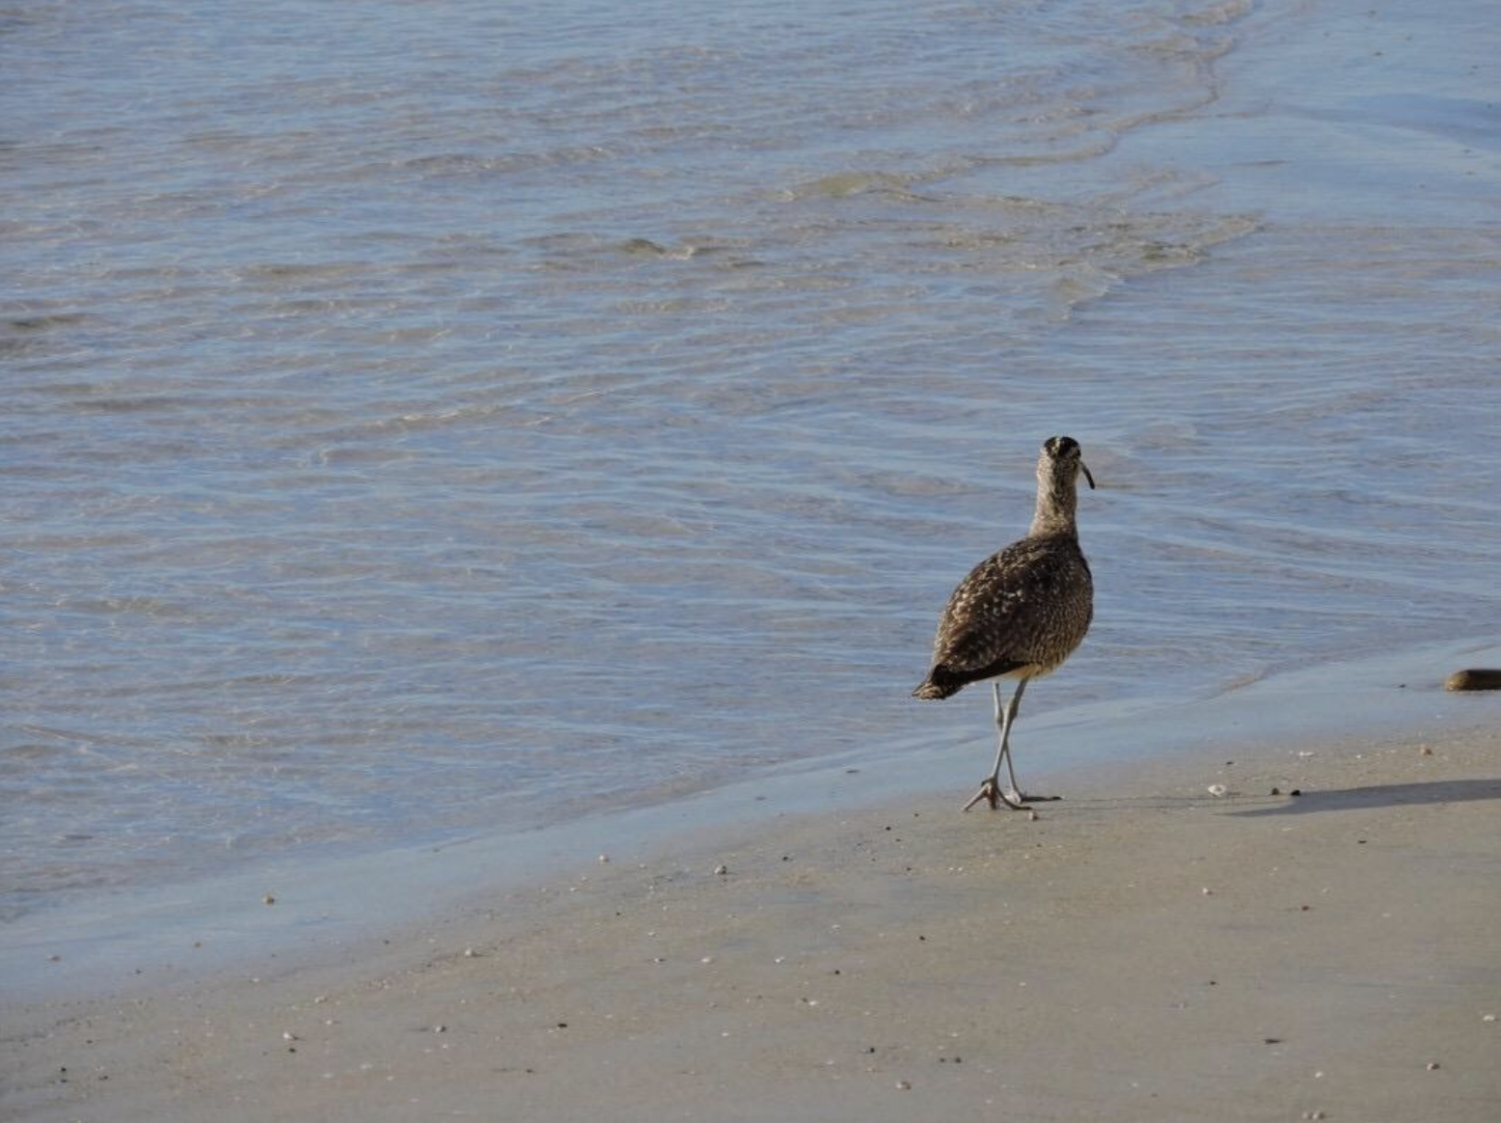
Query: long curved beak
(1087, 476)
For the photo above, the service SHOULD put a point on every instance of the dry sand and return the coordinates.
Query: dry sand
(1143, 950)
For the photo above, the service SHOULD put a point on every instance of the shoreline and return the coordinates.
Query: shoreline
(1145, 949)
(137, 939)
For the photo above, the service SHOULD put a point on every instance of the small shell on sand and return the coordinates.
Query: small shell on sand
(1216, 790)
(1474, 678)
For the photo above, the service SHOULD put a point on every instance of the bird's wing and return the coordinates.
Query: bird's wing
(980, 625)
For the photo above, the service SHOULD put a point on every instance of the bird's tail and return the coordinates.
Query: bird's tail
(940, 683)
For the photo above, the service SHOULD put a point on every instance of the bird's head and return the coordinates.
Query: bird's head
(1062, 460)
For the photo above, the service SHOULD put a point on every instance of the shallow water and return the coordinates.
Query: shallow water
(425, 419)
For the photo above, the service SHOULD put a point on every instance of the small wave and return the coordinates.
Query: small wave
(844, 185)
(127, 606)
(49, 321)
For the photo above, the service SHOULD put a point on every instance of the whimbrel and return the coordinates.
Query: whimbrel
(1020, 613)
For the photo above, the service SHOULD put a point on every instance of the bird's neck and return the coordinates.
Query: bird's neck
(1056, 504)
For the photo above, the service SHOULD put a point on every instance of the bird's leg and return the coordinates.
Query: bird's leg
(1015, 794)
(990, 790)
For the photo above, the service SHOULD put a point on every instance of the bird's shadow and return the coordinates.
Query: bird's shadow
(1380, 795)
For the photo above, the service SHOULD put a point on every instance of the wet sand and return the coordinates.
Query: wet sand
(1145, 949)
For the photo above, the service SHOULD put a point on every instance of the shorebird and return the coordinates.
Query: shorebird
(1021, 612)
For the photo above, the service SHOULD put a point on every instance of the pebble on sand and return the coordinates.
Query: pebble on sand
(1474, 678)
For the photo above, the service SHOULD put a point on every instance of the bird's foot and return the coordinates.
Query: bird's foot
(990, 791)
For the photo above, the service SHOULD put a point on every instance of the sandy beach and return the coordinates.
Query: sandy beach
(1147, 948)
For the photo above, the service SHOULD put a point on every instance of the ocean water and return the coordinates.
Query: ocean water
(430, 419)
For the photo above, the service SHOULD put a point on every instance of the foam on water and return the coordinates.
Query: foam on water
(426, 422)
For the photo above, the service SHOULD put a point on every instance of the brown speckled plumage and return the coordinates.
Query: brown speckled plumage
(1021, 612)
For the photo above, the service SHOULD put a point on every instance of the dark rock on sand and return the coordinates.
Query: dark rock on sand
(1476, 678)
